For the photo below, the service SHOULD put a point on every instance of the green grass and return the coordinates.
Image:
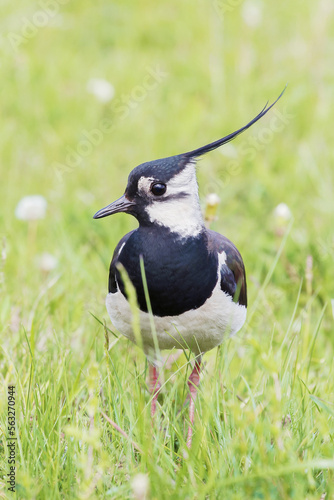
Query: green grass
(264, 415)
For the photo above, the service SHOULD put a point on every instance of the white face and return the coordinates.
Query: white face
(178, 208)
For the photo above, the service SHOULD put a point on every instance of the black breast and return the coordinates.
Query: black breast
(181, 274)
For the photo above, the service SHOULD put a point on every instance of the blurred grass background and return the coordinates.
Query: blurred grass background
(184, 74)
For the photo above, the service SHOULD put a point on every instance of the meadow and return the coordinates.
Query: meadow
(181, 74)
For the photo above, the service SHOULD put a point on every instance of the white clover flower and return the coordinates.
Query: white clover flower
(31, 208)
(47, 262)
(252, 13)
(283, 212)
(140, 486)
(101, 89)
(212, 200)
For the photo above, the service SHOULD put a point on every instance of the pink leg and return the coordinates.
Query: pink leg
(193, 383)
(154, 387)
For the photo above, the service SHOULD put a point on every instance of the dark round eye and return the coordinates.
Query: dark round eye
(158, 188)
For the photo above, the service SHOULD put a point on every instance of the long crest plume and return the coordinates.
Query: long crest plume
(216, 144)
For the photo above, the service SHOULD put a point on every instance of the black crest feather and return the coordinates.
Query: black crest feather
(213, 145)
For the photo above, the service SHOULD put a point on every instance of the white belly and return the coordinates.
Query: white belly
(199, 329)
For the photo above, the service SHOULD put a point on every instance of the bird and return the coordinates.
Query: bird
(190, 279)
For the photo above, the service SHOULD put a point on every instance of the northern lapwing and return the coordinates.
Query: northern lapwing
(195, 277)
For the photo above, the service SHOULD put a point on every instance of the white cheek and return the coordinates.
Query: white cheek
(182, 215)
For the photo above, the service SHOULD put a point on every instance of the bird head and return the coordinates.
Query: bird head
(164, 192)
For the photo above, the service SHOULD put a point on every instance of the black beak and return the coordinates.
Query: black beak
(120, 205)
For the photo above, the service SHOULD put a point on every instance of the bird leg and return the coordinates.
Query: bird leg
(154, 387)
(193, 383)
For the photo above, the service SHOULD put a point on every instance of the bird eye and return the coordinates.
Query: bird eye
(158, 188)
